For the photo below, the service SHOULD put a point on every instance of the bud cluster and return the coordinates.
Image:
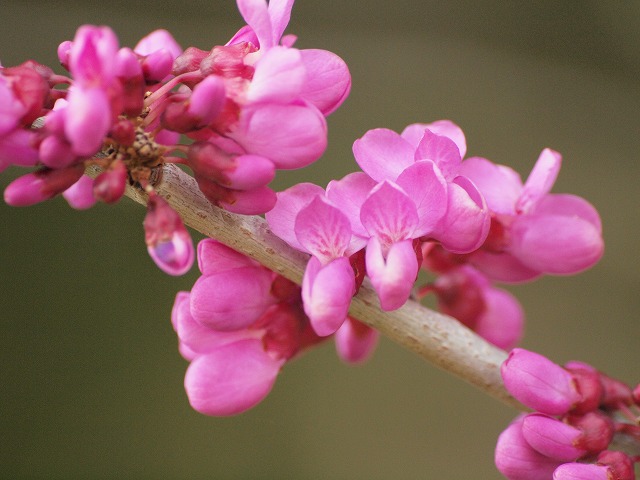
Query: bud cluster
(243, 110)
(578, 412)
(240, 324)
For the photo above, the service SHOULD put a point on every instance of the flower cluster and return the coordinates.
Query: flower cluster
(236, 348)
(417, 203)
(245, 109)
(578, 411)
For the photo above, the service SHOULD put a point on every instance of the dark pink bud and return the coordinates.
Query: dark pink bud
(636, 394)
(168, 241)
(30, 88)
(552, 437)
(250, 202)
(197, 111)
(615, 392)
(109, 186)
(123, 132)
(590, 388)
(63, 53)
(188, 61)
(129, 71)
(80, 194)
(228, 61)
(355, 341)
(620, 464)
(539, 383)
(460, 295)
(157, 65)
(41, 185)
(597, 431)
(249, 171)
(282, 325)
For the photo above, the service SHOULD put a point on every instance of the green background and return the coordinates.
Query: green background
(90, 373)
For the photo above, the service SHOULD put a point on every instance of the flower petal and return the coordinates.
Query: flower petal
(328, 81)
(383, 154)
(389, 214)
(350, 193)
(442, 151)
(231, 379)
(278, 77)
(540, 180)
(355, 341)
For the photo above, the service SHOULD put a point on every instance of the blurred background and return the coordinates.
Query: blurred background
(91, 376)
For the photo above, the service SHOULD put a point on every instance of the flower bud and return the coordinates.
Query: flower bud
(620, 464)
(597, 431)
(110, 185)
(168, 241)
(552, 437)
(41, 185)
(581, 471)
(539, 383)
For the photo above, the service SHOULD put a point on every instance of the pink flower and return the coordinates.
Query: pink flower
(355, 341)
(309, 222)
(532, 231)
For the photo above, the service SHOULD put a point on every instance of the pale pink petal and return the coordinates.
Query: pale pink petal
(424, 185)
(214, 298)
(540, 180)
(555, 244)
(515, 458)
(393, 275)
(500, 186)
(278, 77)
(328, 81)
(282, 217)
(414, 133)
(326, 294)
(389, 214)
(158, 40)
(440, 150)
(466, 223)
(292, 136)
(383, 154)
(569, 206)
(80, 195)
(214, 257)
(502, 322)
(355, 341)
(350, 193)
(256, 14)
(322, 230)
(280, 14)
(582, 471)
(231, 379)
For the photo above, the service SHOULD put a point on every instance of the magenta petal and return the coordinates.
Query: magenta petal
(41, 185)
(250, 171)
(323, 230)
(16, 149)
(92, 56)
(581, 471)
(383, 154)
(499, 185)
(393, 275)
(515, 458)
(551, 437)
(326, 294)
(87, 120)
(292, 136)
(231, 379)
(424, 184)
(389, 214)
(11, 108)
(328, 80)
(80, 195)
(538, 383)
(214, 298)
(440, 150)
(540, 180)
(350, 193)
(278, 77)
(207, 99)
(214, 257)
(465, 226)
(355, 341)
(282, 217)
(502, 322)
(555, 244)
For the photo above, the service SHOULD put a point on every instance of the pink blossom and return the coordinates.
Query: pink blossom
(355, 341)
(551, 437)
(581, 471)
(41, 185)
(80, 194)
(532, 231)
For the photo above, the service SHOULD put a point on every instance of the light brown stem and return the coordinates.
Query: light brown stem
(438, 338)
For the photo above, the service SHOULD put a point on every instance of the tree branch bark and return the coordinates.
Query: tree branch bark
(440, 339)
